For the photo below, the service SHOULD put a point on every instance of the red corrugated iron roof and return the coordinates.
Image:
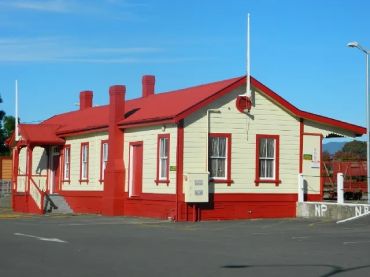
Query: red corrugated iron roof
(175, 105)
(80, 120)
(40, 134)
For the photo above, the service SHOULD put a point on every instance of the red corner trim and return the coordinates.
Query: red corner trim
(167, 180)
(227, 180)
(179, 165)
(277, 180)
(301, 131)
(87, 169)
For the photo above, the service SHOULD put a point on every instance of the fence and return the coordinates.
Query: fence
(338, 190)
(5, 187)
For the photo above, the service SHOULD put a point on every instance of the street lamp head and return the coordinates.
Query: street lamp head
(353, 44)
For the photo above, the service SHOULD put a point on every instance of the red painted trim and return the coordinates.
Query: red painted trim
(167, 180)
(87, 164)
(68, 179)
(179, 165)
(15, 167)
(277, 180)
(227, 180)
(83, 131)
(29, 166)
(138, 189)
(220, 181)
(148, 122)
(321, 175)
(312, 134)
(210, 99)
(101, 178)
(301, 131)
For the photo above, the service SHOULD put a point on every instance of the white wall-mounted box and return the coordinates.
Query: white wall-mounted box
(196, 187)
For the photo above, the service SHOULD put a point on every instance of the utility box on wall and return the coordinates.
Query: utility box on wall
(196, 187)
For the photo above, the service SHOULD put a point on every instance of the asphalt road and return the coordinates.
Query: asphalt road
(106, 246)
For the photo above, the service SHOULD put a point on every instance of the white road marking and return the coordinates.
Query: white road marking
(41, 238)
(300, 237)
(352, 218)
(356, 242)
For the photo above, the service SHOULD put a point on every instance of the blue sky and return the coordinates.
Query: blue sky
(56, 48)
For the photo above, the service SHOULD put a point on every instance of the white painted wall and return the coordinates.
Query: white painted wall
(94, 140)
(265, 118)
(149, 136)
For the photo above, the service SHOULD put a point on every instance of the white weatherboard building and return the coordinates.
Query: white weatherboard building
(198, 153)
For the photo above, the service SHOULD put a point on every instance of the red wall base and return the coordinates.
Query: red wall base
(20, 203)
(89, 202)
(163, 206)
(23, 203)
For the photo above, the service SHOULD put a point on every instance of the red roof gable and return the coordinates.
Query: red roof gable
(40, 134)
(176, 105)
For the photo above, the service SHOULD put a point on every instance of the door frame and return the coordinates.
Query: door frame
(321, 163)
(54, 151)
(131, 171)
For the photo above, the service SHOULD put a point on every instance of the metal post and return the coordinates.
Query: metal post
(340, 189)
(368, 125)
(300, 188)
(355, 44)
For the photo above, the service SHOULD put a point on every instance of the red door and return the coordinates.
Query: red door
(55, 172)
(136, 169)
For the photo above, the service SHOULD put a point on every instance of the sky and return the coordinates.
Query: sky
(57, 48)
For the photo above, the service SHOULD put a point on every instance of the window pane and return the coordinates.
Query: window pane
(262, 149)
(213, 147)
(163, 168)
(269, 168)
(262, 168)
(213, 167)
(221, 168)
(105, 151)
(222, 147)
(217, 157)
(270, 148)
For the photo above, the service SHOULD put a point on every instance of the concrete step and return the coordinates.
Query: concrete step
(61, 203)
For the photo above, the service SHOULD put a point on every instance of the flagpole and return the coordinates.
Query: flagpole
(248, 92)
(16, 111)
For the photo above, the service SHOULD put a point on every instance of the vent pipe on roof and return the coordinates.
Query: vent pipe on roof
(86, 99)
(148, 85)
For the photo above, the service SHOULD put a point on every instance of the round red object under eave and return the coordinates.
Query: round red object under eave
(243, 103)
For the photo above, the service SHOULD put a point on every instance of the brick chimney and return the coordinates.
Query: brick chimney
(148, 85)
(86, 99)
(114, 177)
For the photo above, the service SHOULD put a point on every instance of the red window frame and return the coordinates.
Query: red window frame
(276, 180)
(158, 180)
(101, 179)
(87, 163)
(67, 180)
(227, 179)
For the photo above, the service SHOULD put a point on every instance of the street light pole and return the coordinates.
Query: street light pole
(355, 44)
